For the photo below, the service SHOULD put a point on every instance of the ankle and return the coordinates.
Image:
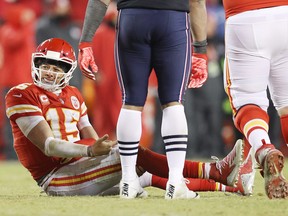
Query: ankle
(214, 173)
(261, 153)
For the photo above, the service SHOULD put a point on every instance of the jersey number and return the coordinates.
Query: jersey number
(63, 123)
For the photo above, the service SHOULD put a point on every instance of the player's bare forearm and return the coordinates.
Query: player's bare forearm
(88, 132)
(95, 12)
(198, 19)
(39, 134)
(42, 136)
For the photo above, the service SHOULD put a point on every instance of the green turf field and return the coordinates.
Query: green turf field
(19, 195)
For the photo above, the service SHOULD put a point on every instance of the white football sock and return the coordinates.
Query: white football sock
(129, 129)
(146, 180)
(255, 138)
(175, 136)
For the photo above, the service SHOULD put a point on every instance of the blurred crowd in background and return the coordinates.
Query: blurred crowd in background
(25, 23)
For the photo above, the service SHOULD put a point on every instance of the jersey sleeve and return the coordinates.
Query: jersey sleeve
(21, 103)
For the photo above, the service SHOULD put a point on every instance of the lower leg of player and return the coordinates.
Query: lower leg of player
(175, 136)
(284, 128)
(148, 179)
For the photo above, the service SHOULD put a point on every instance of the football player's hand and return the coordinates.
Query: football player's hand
(199, 72)
(102, 146)
(86, 60)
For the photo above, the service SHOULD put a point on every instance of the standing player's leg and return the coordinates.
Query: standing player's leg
(132, 58)
(248, 73)
(172, 62)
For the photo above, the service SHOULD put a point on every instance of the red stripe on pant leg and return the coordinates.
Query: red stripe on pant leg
(79, 179)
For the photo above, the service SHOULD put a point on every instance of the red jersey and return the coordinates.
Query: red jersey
(233, 7)
(62, 113)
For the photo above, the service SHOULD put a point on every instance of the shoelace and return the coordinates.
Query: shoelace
(225, 161)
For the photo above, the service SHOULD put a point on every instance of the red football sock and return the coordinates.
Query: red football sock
(159, 182)
(248, 113)
(191, 169)
(194, 184)
(247, 148)
(203, 185)
(152, 162)
(157, 164)
(231, 189)
(284, 128)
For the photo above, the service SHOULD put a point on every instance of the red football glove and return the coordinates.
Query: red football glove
(86, 60)
(199, 72)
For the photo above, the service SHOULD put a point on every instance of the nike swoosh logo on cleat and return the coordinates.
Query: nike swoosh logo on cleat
(17, 95)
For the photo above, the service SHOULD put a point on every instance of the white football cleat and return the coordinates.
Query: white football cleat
(132, 189)
(180, 191)
(247, 172)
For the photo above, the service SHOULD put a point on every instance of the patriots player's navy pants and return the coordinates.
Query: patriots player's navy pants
(147, 39)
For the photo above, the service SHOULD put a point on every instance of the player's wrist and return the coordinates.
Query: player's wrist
(89, 151)
(62, 148)
(201, 55)
(200, 47)
(85, 44)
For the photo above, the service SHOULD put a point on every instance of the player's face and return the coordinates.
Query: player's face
(51, 74)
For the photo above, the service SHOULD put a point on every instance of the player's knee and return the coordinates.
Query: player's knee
(283, 111)
(170, 104)
(247, 113)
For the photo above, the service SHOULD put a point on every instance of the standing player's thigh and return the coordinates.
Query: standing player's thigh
(278, 80)
(171, 57)
(246, 80)
(132, 55)
(247, 66)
